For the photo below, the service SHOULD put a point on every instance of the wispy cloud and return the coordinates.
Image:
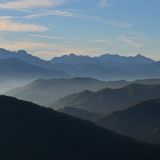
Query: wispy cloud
(129, 40)
(119, 24)
(74, 14)
(138, 35)
(52, 12)
(104, 3)
(103, 41)
(24, 44)
(8, 25)
(47, 37)
(27, 4)
(2, 18)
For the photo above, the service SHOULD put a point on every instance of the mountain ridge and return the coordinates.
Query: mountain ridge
(29, 131)
(75, 59)
(15, 72)
(108, 100)
(104, 67)
(140, 121)
(24, 56)
(45, 91)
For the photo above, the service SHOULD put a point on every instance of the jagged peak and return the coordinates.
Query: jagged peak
(139, 55)
(72, 54)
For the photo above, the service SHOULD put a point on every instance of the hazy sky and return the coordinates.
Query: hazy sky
(48, 28)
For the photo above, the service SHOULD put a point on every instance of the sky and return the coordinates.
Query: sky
(49, 28)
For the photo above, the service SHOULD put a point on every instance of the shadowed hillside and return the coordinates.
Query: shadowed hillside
(109, 100)
(29, 131)
(80, 113)
(141, 121)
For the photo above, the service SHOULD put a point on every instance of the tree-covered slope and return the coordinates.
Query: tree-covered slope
(29, 132)
(141, 121)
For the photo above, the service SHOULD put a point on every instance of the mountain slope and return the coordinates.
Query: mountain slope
(24, 56)
(140, 121)
(14, 72)
(14, 68)
(97, 71)
(109, 100)
(47, 91)
(147, 81)
(80, 113)
(44, 91)
(29, 131)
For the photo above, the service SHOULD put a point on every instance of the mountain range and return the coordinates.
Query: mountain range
(68, 84)
(108, 100)
(106, 59)
(14, 72)
(107, 66)
(140, 121)
(24, 56)
(16, 69)
(45, 91)
(104, 67)
(29, 131)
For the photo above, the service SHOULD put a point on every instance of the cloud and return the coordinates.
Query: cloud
(129, 40)
(47, 37)
(104, 3)
(23, 44)
(103, 41)
(138, 35)
(2, 18)
(73, 14)
(27, 4)
(119, 24)
(52, 12)
(9, 26)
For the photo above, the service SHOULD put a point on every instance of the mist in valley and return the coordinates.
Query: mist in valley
(83, 103)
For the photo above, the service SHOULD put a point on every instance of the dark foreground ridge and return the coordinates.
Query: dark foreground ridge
(31, 132)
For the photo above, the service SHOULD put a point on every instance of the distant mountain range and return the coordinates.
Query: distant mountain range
(29, 131)
(108, 100)
(104, 67)
(24, 56)
(14, 72)
(45, 92)
(107, 67)
(141, 121)
(16, 69)
(106, 59)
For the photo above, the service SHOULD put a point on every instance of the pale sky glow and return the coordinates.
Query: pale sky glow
(85, 27)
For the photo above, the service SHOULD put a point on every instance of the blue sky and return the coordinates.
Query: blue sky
(49, 28)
